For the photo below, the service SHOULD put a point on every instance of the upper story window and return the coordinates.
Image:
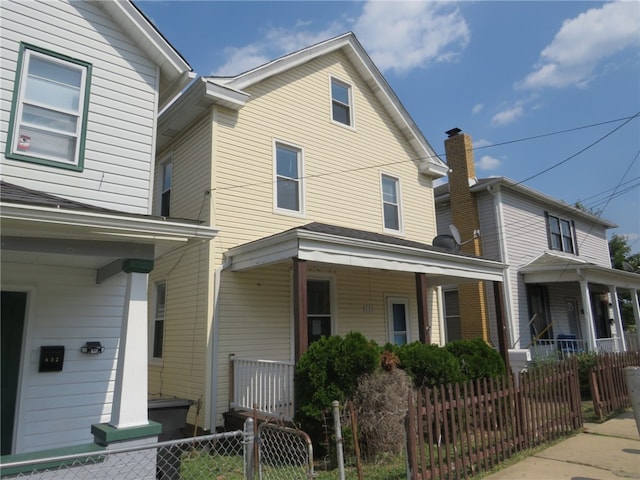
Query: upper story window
(165, 193)
(561, 234)
(391, 203)
(288, 178)
(341, 102)
(49, 111)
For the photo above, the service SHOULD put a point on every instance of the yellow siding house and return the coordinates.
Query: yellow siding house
(321, 187)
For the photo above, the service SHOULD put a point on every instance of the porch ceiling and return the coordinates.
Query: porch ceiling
(551, 268)
(344, 246)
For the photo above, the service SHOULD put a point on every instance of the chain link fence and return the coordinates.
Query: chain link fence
(284, 453)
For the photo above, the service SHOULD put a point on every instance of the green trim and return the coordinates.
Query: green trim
(54, 452)
(9, 153)
(104, 434)
(137, 265)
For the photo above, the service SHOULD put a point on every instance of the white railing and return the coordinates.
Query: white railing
(608, 345)
(265, 385)
(632, 341)
(554, 348)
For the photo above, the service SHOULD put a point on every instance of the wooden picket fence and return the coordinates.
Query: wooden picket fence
(457, 431)
(608, 388)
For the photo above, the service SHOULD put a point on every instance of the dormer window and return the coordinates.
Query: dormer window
(341, 102)
(49, 113)
(561, 233)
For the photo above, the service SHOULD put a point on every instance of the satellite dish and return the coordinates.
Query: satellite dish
(455, 233)
(447, 242)
(627, 266)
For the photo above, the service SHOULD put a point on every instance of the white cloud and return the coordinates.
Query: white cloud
(481, 143)
(583, 43)
(507, 116)
(477, 108)
(487, 162)
(401, 36)
(398, 35)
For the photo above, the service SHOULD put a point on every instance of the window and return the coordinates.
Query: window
(391, 203)
(49, 112)
(318, 309)
(452, 315)
(561, 234)
(398, 320)
(158, 322)
(539, 312)
(288, 178)
(165, 193)
(341, 102)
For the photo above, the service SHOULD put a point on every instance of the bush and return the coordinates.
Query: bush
(477, 359)
(428, 365)
(585, 362)
(328, 371)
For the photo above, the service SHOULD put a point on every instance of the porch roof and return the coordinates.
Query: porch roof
(324, 243)
(552, 267)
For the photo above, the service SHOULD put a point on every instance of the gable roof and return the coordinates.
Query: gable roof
(229, 92)
(175, 72)
(441, 194)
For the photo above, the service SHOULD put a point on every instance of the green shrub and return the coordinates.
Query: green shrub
(428, 365)
(585, 362)
(329, 370)
(477, 359)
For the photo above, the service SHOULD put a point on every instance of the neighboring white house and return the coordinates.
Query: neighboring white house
(561, 292)
(82, 83)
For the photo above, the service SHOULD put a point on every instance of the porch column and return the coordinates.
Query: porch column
(424, 327)
(636, 310)
(498, 297)
(129, 408)
(301, 326)
(617, 318)
(588, 316)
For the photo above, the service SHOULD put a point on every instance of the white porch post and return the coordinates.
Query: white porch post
(588, 316)
(617, 318)
(129, 407)
(636, 309)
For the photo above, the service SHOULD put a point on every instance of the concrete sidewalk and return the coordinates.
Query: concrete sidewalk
(605, 451)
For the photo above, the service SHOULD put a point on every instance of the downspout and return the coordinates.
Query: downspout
(214, 346)
(504, 257)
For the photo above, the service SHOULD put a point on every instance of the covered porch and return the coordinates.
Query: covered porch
(405, 276)
(575, 305)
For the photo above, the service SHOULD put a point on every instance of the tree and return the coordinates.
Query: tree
(623, 259)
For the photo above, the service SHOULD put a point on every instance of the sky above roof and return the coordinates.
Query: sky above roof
(548, 90)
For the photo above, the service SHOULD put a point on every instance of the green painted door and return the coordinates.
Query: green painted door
(13, 307)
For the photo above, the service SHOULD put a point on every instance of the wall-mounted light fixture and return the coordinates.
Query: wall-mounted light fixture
(92, 348)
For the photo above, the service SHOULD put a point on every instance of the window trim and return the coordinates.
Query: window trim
(400, 230)
(572, 227)
(16, 107)
(446, 315)
(155, 319)
(349, 87)
(301, 184)
(391, 300)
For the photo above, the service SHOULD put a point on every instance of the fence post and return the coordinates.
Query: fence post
(336, 422)
(409, 423)
(249, 448)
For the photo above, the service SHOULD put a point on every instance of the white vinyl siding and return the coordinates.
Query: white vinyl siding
(120, 122)
(58, 408)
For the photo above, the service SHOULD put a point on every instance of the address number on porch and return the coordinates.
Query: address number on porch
(51, 358)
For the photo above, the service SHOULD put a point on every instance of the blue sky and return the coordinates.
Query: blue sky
(548, 90)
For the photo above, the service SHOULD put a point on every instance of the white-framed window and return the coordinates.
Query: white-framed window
(341, 102)
(561, 233)
(398, 320)
(288, 172)
(452, 315)
(160, 300)
(49, 111)
(391, 206)
(166, 177)
(319, 308)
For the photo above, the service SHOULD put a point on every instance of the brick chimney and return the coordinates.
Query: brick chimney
(464, 215)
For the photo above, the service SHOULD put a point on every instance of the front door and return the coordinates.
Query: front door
(13, 306)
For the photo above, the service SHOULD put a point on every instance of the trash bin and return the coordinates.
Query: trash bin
(172, 414)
